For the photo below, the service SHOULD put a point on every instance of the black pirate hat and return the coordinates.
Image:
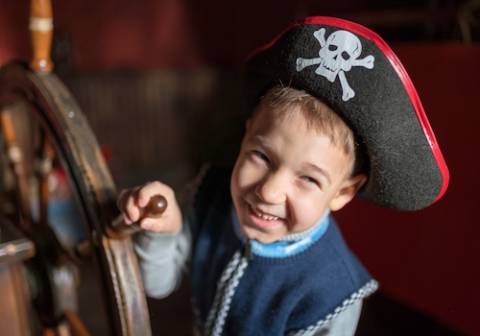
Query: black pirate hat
(354, 71)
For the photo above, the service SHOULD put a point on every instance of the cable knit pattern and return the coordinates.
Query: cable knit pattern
(222, 283)
(362, 293)
(227, 298)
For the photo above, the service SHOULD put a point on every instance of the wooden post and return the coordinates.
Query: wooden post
(41, 29)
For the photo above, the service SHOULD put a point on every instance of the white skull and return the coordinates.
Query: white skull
(340, 50)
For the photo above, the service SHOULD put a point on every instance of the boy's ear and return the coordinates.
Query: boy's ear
(347, 191)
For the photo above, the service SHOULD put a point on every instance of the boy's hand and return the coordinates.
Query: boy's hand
(132, 203)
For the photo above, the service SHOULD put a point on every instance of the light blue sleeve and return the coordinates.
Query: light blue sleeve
(343, 324)
(162, 259)
(163, 256)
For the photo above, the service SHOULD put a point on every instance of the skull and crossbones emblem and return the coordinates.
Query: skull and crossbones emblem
(338, 54)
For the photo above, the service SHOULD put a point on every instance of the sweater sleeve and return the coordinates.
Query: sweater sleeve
(162, 258)
(344, 324)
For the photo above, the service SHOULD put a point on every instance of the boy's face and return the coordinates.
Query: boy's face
(286, 176)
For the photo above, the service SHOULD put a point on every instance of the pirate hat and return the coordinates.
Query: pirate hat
(354, 71)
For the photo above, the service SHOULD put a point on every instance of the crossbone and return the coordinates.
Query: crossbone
(338, 54)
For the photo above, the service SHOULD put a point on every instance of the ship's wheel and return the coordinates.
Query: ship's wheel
(58, 197)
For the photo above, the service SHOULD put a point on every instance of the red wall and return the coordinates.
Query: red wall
(427, 259)
(144, 34)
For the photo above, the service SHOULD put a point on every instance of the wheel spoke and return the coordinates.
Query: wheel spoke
(77, 327)
(44, 156)
(16, 161)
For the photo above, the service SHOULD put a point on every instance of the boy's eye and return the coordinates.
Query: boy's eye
(258, 155)
(311, 180)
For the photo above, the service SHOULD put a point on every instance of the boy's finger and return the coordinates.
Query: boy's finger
(126, 219)
(122, 202)
(148, 190)
(122, 196)
(131, 210)
(150, 224)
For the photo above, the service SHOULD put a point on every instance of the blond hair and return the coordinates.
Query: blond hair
(285, 101)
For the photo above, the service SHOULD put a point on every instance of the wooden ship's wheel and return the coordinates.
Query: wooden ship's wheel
(46, 259)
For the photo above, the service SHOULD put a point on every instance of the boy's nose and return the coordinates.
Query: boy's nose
(272, 189)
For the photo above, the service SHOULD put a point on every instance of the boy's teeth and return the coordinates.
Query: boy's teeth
(265, 217)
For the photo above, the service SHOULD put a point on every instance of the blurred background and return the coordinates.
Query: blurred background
(159, 83)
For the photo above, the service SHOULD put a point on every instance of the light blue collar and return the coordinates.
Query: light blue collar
(285, 247)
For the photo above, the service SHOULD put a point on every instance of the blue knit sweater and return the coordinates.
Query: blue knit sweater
(239, 291)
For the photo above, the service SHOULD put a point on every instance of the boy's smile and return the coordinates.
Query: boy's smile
(286, 175)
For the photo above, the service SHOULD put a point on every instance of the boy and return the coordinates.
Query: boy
(266, 256)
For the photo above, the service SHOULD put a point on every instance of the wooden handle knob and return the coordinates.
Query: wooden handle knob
(41, 29)
(155, 208)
